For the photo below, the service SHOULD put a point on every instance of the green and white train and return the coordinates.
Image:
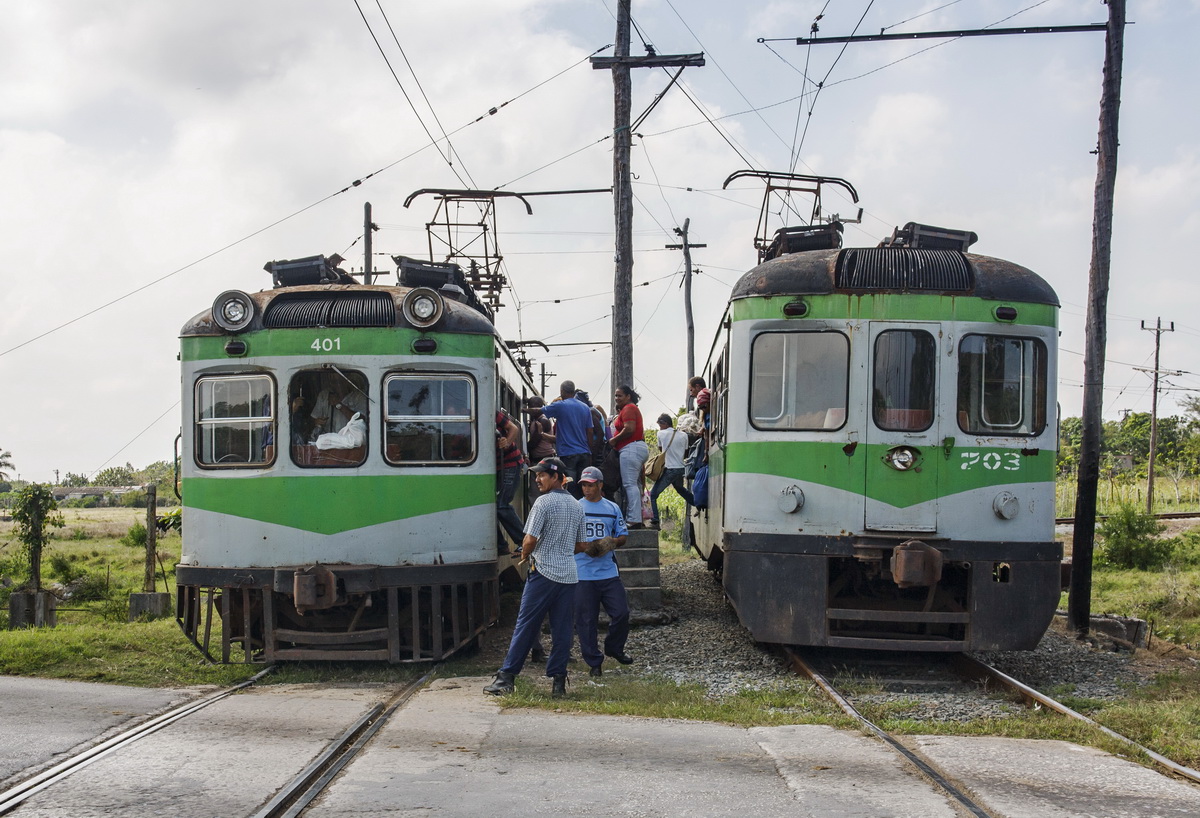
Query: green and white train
(882, 446)
(381, 545)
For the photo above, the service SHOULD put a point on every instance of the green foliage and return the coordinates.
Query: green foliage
(91, 501)
(116, 476)
(1129, 539)
(64, 569)
(5, 463)
(34, 510)
(74, 480)
(136, 538)
(5, 487)
(132, 499)
(171, 521)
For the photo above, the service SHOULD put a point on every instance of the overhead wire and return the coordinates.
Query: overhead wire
(132, 440)
(408, 99)
(356, 183)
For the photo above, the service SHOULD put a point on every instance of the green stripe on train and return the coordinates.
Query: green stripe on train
(333, 504)
(827, 464)
(335, 343)
(893, 307)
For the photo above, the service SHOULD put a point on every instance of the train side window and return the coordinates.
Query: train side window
(430, 419)
(798, 380)
(903, 380)
(235, 421)
(324, 401)
(1002, 385)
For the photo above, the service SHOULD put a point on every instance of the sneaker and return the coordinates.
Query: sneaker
(560, 688)
(621, 656)
(502, 685)
(596, 672)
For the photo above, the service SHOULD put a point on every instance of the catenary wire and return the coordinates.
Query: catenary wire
(356, 183)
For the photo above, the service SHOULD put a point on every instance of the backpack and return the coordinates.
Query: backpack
(700, 487)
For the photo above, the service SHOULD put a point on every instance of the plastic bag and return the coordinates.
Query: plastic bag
(350, 436)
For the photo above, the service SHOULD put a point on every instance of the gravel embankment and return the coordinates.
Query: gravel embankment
(706, 645)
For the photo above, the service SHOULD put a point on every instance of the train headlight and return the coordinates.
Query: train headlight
(791, 499)
(423, 307)
(902, 458)
(233, 311)
(1006, 505)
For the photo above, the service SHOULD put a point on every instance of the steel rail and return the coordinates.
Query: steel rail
(18, 793)
(1165, 515)
(294, 798)
(921, 764)
(981, 670)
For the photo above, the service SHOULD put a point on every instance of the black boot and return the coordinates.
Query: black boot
(621, 656)
(596, 672)
(538, 654)
(501, 685)
(560, 688)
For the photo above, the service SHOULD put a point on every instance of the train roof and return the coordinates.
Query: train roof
(864, 270)
(338, 306)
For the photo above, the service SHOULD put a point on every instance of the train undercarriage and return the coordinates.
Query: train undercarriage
(873, 593)
(336, 612)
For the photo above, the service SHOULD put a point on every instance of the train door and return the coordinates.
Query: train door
(903, 427)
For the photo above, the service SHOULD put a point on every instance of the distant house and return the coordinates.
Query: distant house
(79, 492)
(1123, 462)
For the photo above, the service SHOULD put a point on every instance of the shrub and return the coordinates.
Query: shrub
(1129, 539)
(63, 569)
(89, 588)
(136, 538)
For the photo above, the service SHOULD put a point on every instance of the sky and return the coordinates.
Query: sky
(154, 155)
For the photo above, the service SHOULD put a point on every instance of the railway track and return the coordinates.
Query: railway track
(1166, 515)
(17, 794)
(973, 672)
(289, 800)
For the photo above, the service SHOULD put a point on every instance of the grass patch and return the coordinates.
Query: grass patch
(654, 697)
(150, 654)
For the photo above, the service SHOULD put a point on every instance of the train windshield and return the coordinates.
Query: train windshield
(329, 413)
(430, 419)
(798, 380)
(235, 424)
(904, 375)
(1002, 385)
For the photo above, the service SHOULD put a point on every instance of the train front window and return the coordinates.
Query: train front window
(430, 419)
(798, 380)
(235, 421)
(1002, 385)
(903, 381)
(329, 417)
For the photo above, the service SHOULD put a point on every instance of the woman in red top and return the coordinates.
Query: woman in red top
(631, 444)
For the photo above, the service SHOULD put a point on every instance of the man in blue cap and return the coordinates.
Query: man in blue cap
(554, 533)
(599, 581)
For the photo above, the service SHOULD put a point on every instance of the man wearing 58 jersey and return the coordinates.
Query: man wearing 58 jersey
(599, 580)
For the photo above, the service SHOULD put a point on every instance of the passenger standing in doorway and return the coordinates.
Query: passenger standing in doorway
(509, 460)
(573, 431)
(554, 533)
(629, 441)
(675, 444)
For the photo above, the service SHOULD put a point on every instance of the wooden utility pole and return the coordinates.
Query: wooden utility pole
(367, 227)
(151, 536)
(1158, 329)
(687, 298)
(1079, 606)
(620, 64)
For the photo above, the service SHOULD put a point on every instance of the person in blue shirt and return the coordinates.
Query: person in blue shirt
(573, 431)
(554, 530)
(599, 581)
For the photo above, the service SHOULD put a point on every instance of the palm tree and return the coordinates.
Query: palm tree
(5, 463)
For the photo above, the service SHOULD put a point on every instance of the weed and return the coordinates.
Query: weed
(1130, 539)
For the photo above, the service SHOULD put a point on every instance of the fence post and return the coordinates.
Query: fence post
(149, 604)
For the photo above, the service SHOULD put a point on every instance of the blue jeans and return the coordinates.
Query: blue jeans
(633, 458)
(506, 515)
(575, 464)
(674, 479)
(541, 597)
(589, 596)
